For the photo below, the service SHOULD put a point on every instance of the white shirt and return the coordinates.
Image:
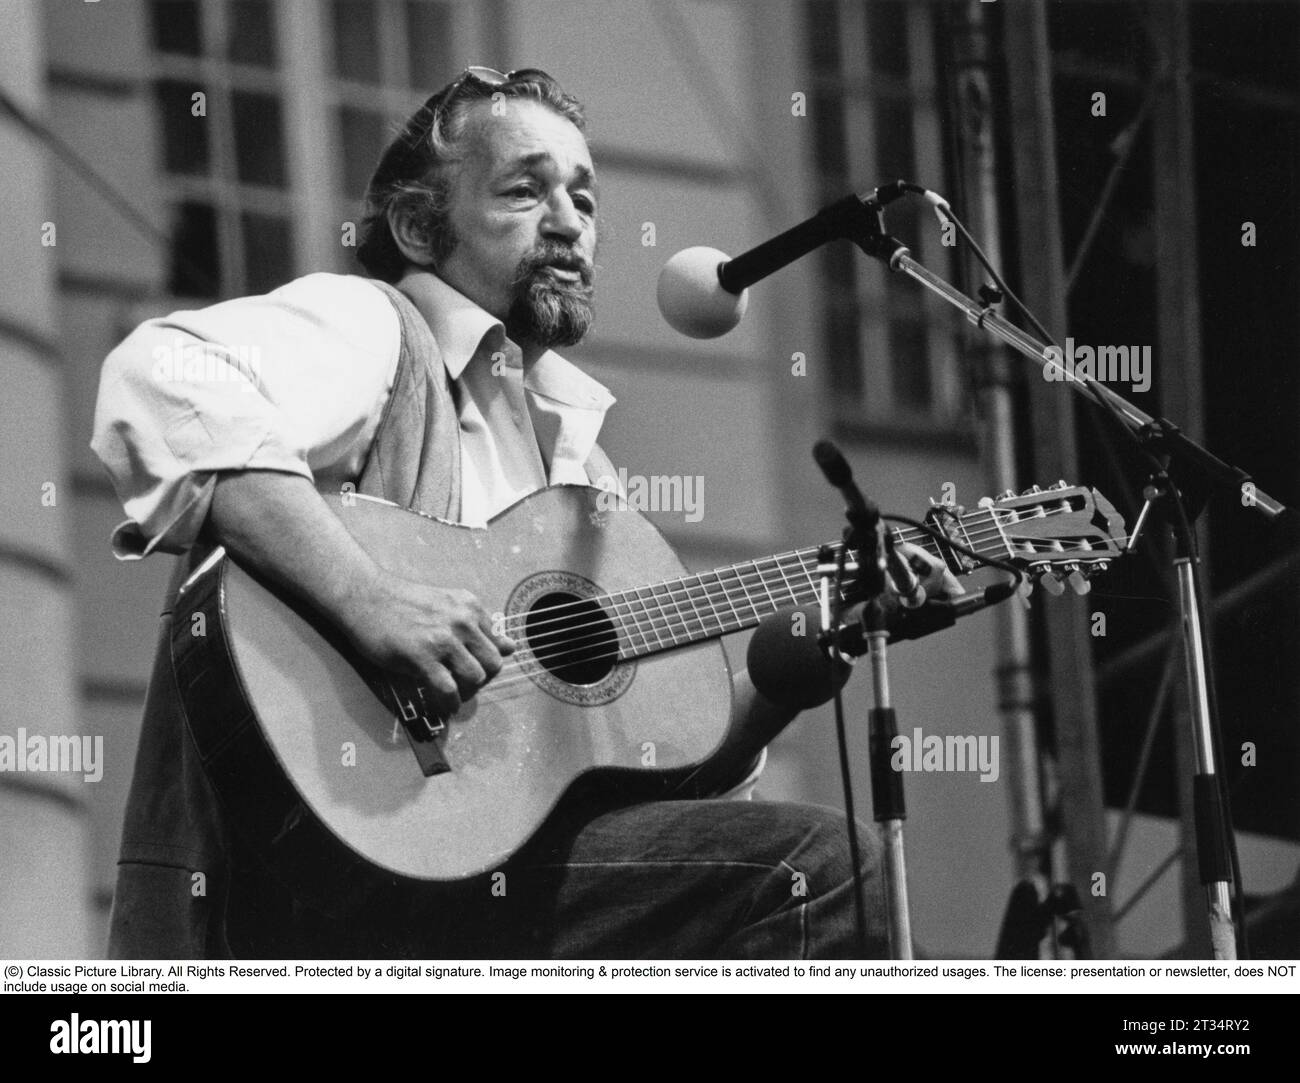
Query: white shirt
(297, 380)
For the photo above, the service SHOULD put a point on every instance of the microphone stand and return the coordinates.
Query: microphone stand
(865, 228)
(887, 784)
(882, 725)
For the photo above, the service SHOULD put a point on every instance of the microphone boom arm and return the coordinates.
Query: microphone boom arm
(1177, 443)
(853, 218)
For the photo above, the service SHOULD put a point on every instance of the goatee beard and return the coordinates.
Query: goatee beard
(546, 310)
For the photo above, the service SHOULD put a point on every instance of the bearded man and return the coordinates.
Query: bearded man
(431, 381)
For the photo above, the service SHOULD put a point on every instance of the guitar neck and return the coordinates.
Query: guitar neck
(682, 611)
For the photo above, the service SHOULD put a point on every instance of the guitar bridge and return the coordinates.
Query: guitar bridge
(406, 698)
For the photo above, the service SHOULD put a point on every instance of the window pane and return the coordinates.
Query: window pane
(428, 44)
(195, 264)
(828, 134)
(363, 134)
(356, 40)
(887, 37)
(176, 26)
(251, 33)
(896, 156)
(184, 135)
(839, 273)
(909, 358)
(821, 19)
(268, 251)
(259, 139)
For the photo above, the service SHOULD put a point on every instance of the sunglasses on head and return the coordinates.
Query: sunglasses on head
(486, 77)
(399, 153)
(491, 77)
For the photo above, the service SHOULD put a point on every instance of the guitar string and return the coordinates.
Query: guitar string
(622, 645)
(745, 575)
(973, 538)
(626, 643)
(977, 536)
(623, 638)
(716, 598)
(516, 666)
(715, 603)
(518, 671)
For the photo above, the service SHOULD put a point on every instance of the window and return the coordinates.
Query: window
(387, 57)
(252, 202)
(218, 98)
(875, 110)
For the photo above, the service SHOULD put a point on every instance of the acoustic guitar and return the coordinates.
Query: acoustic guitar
(338, 774)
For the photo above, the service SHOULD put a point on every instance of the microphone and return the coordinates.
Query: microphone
(937, 615)
(702, 293)
(934, 616)
(792, 670)
(691, 297)
(863, 515)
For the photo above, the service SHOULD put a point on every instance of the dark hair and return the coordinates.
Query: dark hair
(413, 173)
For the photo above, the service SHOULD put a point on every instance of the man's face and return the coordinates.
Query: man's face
(523, 211)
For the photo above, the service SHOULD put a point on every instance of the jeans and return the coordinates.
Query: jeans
(662, 880)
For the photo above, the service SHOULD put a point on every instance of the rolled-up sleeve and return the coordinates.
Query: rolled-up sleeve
(295, 381)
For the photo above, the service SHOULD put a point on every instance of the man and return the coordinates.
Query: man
(481, 229)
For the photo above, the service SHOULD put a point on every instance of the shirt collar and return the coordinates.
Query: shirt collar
(462, 329)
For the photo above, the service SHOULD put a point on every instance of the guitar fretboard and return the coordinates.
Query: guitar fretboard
(662, 616)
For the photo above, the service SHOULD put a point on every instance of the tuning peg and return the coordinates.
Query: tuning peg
(1008, 494)
(1078, 579)
(1025, 589)
(1031, 490)
(1059, 485)
(1052, 584)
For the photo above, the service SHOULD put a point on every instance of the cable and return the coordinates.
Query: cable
(942, 540)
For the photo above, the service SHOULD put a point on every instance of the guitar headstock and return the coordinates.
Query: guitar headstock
(1060, 535)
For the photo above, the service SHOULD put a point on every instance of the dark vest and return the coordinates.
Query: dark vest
(180, 866)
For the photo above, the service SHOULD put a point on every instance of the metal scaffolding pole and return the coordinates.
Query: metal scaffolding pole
(1178, 316)
(1042, 273)
(995, 378)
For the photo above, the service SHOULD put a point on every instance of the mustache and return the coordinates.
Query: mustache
(553, 255)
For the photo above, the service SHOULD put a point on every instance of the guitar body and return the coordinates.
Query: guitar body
(318, 774)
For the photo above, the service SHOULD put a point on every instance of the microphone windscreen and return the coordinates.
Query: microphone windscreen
(787, 665)
(692, 299)
(833, 464)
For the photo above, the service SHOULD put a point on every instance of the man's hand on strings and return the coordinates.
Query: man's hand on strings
(444, 638)
(934, 575)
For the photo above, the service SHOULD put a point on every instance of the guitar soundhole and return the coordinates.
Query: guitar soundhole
(572, 637)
